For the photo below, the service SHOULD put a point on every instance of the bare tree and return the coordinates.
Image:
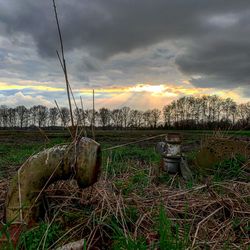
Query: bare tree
(155, 117)
(42, 115)
(146, 118)
(117, 118)
(167, 114)
(12, 117)
(53, 116)
(135, 118)
(22, 115)
(105, 117)
(3, 116)
(33, 114)
(125, 116)
(65, 116)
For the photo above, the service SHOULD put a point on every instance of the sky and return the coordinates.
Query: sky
(142, 54)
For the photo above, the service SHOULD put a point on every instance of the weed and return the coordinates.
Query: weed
(32, 238)
(163, 178)
(126, 242)
(191, 156)
(141, 177)
(71, 218)
(8, 245)
(230, 169)
(132, 215)
(169, 233)
(190, 184)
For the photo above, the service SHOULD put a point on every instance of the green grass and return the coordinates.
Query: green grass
(133, 152)
(40, 237)
(4, 233)
(169, 233)
(15, 155)
(135, 183)
(230, 169)
(167, 236)
(122, 241)
(124, 159)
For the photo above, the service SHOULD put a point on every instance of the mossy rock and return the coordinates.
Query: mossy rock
(216, 150)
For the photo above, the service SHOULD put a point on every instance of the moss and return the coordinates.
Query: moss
(215, 150)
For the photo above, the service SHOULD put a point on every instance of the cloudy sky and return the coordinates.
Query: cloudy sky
(142, 53)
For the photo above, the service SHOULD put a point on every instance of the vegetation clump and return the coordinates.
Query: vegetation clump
(135, 205)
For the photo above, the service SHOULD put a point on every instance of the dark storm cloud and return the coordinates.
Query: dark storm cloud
(112, 26)
(220, 59)
(213, 36)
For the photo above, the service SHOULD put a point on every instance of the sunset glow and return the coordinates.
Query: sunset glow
(140, 95)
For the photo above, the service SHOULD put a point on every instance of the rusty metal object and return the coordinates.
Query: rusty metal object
(80, 160)
(171, 165)
(172, 155)
(173, 145)
(173, 138)
(173, 161)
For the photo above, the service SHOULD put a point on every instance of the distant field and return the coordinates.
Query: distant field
(18, 145)
(105, 135)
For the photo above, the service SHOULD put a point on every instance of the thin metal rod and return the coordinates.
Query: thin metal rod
(60, 60)
(63, 63)
(93, 116)
(83, 118)
(134, 142)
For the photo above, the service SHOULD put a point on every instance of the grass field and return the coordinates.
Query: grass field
(135, 205)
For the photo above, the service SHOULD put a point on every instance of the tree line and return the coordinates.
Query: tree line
(206, 112)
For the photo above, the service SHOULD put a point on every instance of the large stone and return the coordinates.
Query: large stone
(77, 245)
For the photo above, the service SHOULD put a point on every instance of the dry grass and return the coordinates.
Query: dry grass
(217, 215)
